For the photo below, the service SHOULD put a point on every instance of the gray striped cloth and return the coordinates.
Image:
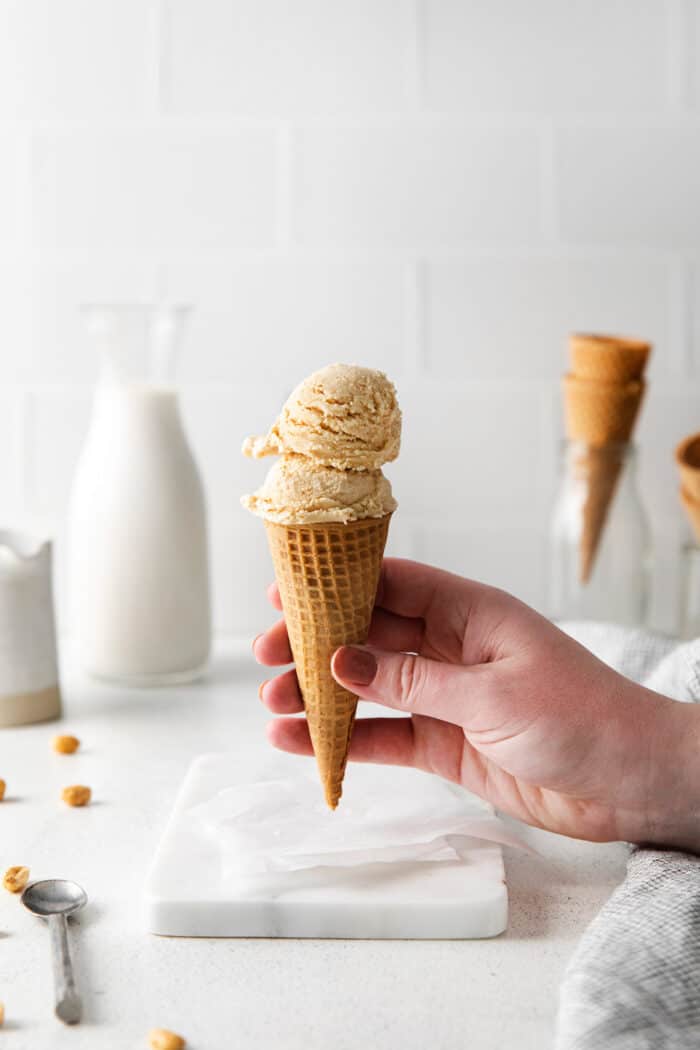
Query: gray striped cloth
(633, 982)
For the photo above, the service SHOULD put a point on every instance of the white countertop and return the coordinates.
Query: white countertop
(220, 994)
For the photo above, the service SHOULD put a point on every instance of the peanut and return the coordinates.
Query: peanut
(3, 785)
(76, 795)
(162, 1039)
(66, 745)
(16, 878)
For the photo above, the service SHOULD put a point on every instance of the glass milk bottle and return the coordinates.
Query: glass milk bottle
(599, 557)
(139, 573)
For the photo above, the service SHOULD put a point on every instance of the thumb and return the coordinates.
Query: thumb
(407, 682)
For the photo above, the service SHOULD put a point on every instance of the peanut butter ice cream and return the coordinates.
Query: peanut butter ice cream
(333, 435)
(300, 492)
(342, 416)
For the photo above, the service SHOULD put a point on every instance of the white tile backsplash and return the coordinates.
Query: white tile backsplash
(582, 55)
(59, 350)
(15, 196)
(75, 58)
(276, 57)
(55, 425)
(470, 454)
(412, 187)
(11, 459)
(158, 193)
(510, 558)
(690, 68)
(439, 188)
(490, 318)
(301, 315)
(634, 185)
(242, 571)
(693, 334)
(217, 420)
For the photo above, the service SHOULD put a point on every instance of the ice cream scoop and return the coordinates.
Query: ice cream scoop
(301, 492)
(343, 416)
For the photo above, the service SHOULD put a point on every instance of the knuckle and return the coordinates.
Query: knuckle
(410, 682)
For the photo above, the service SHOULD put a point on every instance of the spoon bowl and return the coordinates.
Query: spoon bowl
(54, 897)
(54, 900)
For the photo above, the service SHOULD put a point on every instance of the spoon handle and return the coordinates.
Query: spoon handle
(67, 1000)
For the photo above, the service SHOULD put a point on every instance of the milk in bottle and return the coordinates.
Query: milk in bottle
(139, 574)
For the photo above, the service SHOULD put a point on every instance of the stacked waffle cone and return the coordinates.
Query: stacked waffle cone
(326, 507)
(688, 461)
(602, 396)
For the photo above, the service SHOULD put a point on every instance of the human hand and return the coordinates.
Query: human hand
(501, 701)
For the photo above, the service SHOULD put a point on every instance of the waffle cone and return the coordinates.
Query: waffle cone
(601, 413)
(692, 509)
(327, 576)
(688, 460)
(608, 358)
(599, 469)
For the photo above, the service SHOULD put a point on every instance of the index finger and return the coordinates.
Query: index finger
(408, 592)
(411, 589)
(386, 631)
(273, 596)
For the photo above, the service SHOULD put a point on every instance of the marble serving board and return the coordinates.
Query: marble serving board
(186, 896)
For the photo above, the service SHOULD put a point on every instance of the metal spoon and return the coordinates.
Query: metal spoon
(55, 899)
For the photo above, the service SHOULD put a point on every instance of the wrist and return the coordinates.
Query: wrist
(672, 809)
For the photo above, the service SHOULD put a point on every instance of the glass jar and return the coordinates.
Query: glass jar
(690, 591)
(599, 559)
(139, 566)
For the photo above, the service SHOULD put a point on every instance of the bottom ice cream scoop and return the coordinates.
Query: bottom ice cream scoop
(300, 492)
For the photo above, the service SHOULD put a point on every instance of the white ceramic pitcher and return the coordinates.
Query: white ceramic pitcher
(29, 688)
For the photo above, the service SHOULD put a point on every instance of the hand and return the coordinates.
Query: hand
(500, 700)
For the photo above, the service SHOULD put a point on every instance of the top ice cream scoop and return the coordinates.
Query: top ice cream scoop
(343, 416)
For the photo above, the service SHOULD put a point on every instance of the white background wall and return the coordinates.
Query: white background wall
(439, 188)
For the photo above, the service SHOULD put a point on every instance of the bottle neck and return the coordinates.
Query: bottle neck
(138, 344)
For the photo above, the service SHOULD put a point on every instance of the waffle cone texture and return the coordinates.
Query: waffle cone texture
(601, 413)
(600, 470)
(603, 394)
(327, 576)
(602, 417)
